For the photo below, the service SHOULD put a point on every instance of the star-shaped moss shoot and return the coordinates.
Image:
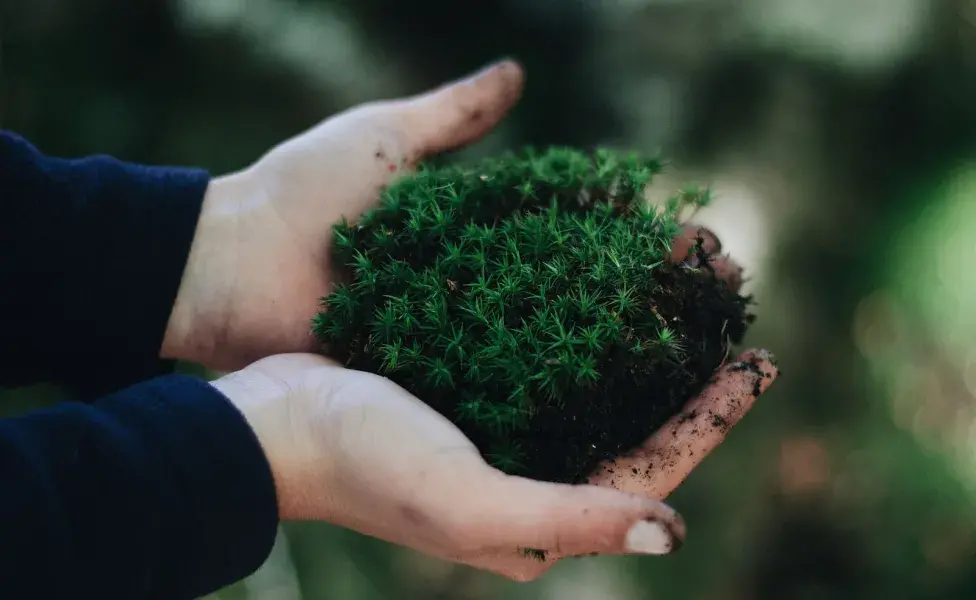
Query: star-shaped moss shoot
(528, 298)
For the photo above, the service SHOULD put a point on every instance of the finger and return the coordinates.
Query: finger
(570, 520)
(682, 247)
(674, 451)
(562, 520)
(727, 270)
(461, 112)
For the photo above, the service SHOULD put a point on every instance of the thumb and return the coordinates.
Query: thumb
(570, 520)
(464, 111)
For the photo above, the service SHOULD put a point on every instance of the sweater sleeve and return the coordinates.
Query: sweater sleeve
(92, 251)
(159, 491)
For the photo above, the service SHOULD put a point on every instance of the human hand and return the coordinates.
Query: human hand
(353, 449)
(259, 263)
(671, 453)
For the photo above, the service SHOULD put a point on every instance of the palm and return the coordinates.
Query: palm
(302, 188)
(392, 453)
(403, 473)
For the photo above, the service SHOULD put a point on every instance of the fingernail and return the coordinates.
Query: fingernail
(650, 537)
(762, 363)
(766, 356)
(710, 242)
(497, 65)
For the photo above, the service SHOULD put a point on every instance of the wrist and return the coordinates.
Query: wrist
(276, 397)
(247, 396)
(199, 316)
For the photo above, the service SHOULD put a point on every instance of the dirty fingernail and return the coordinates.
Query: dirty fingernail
(760, 362)
(650, 537)
(710, 242)
(764, 355)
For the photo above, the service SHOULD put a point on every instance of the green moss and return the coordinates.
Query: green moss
(528, 298)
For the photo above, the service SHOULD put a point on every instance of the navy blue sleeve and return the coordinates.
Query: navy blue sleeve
(160, 491)
(92, 251)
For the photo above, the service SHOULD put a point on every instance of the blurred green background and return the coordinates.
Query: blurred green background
(840, 139)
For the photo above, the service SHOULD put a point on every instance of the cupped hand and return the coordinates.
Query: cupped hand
(354, 449)
(259, 263)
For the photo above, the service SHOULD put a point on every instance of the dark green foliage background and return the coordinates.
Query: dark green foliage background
(849, 120)
(530, 298)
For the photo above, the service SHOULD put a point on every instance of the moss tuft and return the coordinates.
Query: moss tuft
(528, 299)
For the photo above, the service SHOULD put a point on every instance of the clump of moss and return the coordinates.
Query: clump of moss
(529, 299)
